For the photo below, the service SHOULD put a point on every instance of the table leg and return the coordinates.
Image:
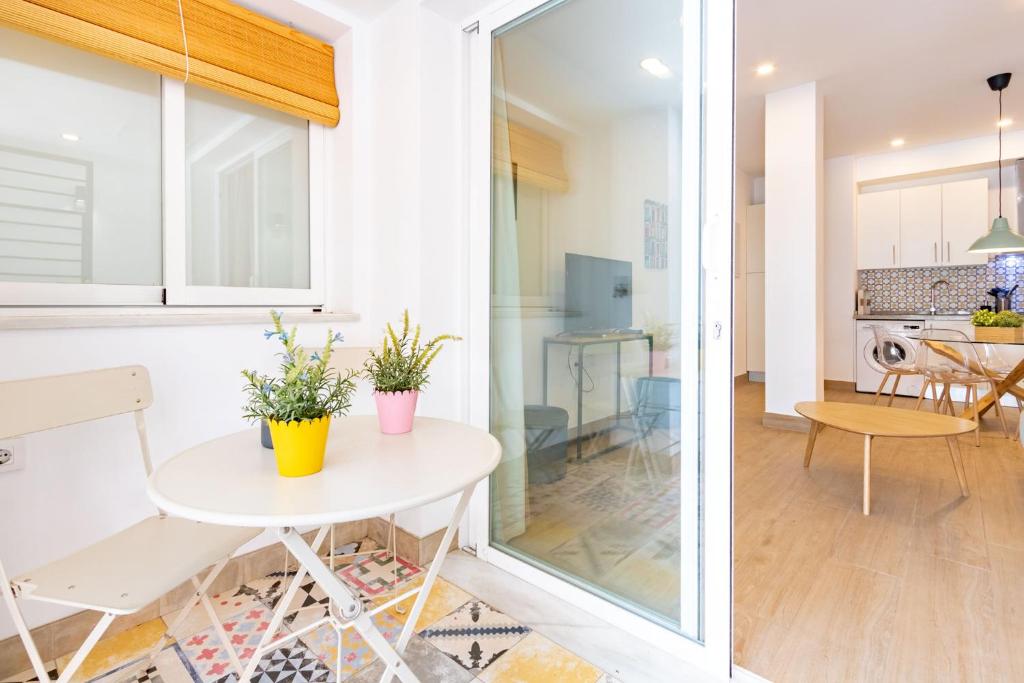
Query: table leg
(1008, 383)
(282, 608)
(867, 474)
(579, 403)
(811, 436)
(544, 364)
(618, 381)
(958, 464)
(428, 582)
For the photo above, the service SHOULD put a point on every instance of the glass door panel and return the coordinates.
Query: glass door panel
(590, 273)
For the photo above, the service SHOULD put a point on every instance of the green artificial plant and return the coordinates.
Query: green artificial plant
(308, 387)
(402, 363)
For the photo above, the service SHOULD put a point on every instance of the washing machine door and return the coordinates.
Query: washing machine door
(897, 350)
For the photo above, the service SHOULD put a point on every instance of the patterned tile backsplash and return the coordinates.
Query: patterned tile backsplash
(908, 289)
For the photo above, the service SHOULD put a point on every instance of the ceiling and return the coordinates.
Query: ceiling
(914, 69)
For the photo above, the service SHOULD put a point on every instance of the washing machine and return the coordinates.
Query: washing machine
(869, 373)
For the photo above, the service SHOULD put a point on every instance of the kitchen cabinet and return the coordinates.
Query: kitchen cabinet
(920, 226)
(964, 219)
(878, 229)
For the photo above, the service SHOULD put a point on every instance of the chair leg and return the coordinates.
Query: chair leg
(972, 394)
(920, 396)
(895, 385)
(10, 600)
(881, 385)
(199, 597)
(999, 410)
(935, 397)
(943, 403)
(83, 652)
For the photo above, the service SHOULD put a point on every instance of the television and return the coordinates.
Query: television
(598, 293)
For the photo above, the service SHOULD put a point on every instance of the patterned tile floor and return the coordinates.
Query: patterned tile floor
(459, 638)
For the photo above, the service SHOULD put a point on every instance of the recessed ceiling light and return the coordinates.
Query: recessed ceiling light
(766, 69)
(656, 67)
(1004, 122)
(70, 137)
(897, 142)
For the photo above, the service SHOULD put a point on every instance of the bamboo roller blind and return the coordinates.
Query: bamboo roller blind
(230, 48)
(537, 157)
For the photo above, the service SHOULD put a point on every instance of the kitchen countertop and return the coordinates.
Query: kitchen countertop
(911, 315)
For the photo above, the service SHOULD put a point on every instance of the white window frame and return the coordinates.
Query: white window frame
(174, 291)
(179, 293)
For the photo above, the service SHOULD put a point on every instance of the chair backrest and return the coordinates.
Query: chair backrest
(42, 403)
(891, 353)
(947, 351)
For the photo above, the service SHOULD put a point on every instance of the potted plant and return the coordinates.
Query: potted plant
(1005, 326)
(399, 372)
(664, 341)
(299, 404)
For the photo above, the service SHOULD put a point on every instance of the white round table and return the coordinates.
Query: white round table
(365, 474)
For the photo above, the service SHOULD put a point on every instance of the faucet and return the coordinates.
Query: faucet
(935, 284)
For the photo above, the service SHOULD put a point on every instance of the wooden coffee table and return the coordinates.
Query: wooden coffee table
(872, 421)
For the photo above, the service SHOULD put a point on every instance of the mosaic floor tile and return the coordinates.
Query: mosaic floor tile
(167, 667)
(475, 635)
(355, 653)
(225, 605)
(205, 653)
(292, 665)
(374, 574)
(535, 658)
(444, 599)
(30, 675)
(425, 660)
(117, 650)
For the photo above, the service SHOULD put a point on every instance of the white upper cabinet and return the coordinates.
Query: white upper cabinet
(920, 226)
(878, 229)
(917, 227)
(964, 219)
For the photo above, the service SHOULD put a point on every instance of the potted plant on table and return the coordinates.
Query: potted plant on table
(299, 404)
(664, 340)
(1005, 326)
(398, 372)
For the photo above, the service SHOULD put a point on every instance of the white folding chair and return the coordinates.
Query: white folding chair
(129, 570)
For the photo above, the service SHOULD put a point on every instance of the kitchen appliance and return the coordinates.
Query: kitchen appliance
(869, 373)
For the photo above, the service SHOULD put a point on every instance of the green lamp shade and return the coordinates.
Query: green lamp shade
(999, 240)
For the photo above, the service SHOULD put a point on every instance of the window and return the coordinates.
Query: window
(119, 187)
(248, 194)
(79, 167)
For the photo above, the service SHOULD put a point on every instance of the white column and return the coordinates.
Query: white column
(794, 248)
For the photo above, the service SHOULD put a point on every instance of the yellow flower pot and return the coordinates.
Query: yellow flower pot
(299, 445)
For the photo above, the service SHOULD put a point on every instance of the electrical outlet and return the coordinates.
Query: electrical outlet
(12, 455)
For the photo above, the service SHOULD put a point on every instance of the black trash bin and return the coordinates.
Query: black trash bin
(547, 436)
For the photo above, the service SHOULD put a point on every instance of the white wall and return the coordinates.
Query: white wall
(794, 253)
(840, 276)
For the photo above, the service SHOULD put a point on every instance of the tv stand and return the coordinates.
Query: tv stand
(579, 341)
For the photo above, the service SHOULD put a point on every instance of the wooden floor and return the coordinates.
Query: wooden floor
(930, 587)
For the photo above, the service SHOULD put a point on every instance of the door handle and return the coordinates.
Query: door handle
(894, 254)
(935, 251)
(948, 256)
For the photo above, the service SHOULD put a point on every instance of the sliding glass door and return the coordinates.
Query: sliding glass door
(589, 157)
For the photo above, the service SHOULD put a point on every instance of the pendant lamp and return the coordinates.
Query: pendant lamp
(1000, 239)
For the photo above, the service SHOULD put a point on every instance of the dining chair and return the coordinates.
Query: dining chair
(642, 448)
(948, 358)
(127, 571)
(895, 357)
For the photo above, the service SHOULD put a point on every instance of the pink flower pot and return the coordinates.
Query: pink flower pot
(395, 410)
(660, 360)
